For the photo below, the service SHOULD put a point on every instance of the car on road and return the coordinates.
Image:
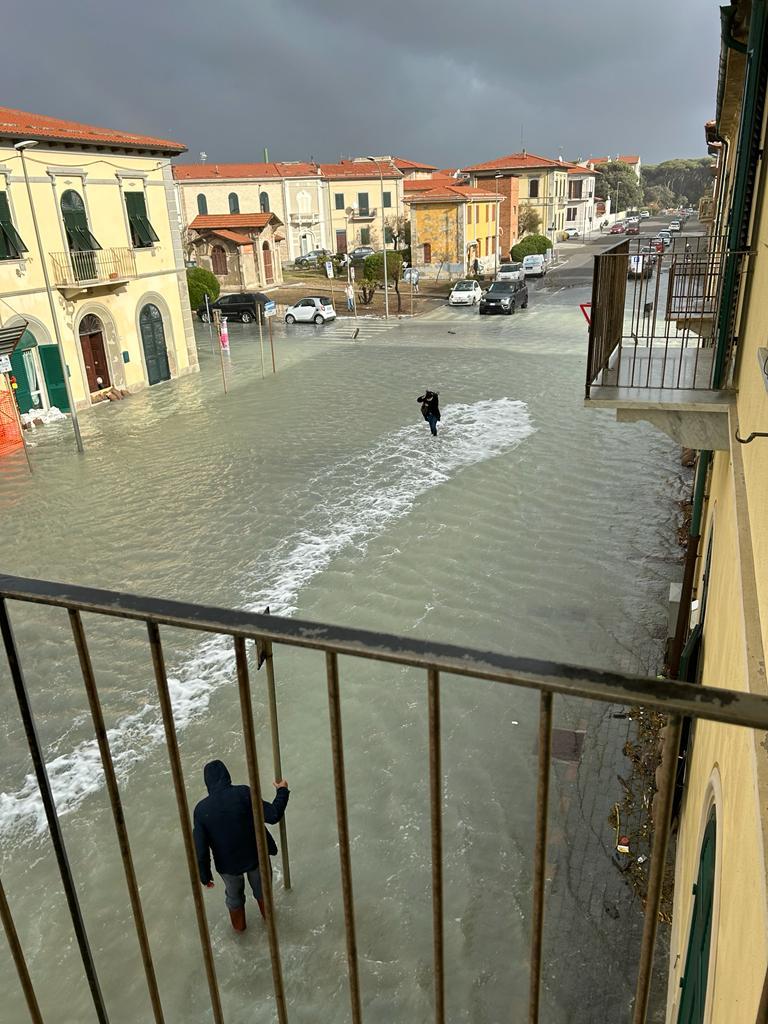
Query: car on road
(617, 229)
(510, 272)
(315, 309)
(243, 306)
(312, 258)
(666, 238)
(640, 266)
(504, 297)
(651, 252)
(534, 266)
(675, 225)
(632, 229)
(571, 232)
(465, 293)
(645, 214)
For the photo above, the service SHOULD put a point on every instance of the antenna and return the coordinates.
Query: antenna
(203, 156)
(522, 140)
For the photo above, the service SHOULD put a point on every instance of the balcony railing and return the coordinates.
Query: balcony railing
(706, 209)
(363, 213)
(654, 315)
(91, 268)
(675, 699)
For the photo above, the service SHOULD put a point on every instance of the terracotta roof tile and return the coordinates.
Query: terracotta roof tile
(455, 193)
(517, 161)
(610, 159)
(411, 165)
(17, 124)
(359, 169)
(425, 184)
(232, 236)
(226, 172)
(233, 220)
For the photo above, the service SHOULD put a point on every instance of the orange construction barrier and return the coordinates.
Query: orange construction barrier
(10, 432)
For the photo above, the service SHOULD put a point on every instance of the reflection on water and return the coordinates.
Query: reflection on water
(529, 525)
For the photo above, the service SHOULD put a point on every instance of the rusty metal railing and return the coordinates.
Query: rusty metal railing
(654, 311)
(676, 699)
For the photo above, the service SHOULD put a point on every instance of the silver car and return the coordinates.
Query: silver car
(316, 309)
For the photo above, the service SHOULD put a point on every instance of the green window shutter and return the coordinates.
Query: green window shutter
(339, 200)
(11, 244)
(387, 200)
(365, 236)
(143, 234)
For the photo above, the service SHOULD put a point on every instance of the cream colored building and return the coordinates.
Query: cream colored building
(106, 207)
(542, 185)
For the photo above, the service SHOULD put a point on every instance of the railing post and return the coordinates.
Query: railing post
(342, 828)
(116, 805)
(436, 824)
(276, 758)
(265, 871)
(169, 727)
(18, 958)
(44, 784)
(540, 853)
(661, 826)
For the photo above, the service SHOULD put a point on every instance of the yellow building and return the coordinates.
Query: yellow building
(542, 185)
(362, 203)
(702, 377)
(106, 209)
(451, 227)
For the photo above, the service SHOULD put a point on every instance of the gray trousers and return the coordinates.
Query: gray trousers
(234, 888)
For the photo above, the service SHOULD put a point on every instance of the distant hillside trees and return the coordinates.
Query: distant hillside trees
(677, 182)
(617, 176)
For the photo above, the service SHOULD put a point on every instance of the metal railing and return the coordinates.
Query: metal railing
(363, 213)
(654, 312)
(93, 266)
(676, 699)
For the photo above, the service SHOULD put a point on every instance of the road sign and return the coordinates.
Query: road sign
(270, 308)
(5, 364)
(328, 269)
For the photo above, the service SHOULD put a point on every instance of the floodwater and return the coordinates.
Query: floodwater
(530, 525)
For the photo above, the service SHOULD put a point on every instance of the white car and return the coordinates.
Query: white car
(534, 266)
(675, 225)
(645, 214)
(314, 310)
(465, 293)
(571, 232)
(510, 272)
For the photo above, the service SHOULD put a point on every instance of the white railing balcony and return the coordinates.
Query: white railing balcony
(93, 267)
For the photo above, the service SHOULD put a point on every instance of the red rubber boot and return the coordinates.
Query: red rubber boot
(237, 917)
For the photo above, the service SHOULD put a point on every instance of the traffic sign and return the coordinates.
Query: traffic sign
(270, 308)
(328, 269)
(5, 364)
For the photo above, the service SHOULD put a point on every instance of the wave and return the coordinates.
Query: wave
(366, 494)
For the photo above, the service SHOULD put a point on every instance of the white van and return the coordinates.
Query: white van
(534, 266)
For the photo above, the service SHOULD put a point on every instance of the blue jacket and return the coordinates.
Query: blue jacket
(224, 825)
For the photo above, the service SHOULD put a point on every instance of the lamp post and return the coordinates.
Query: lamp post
(383, 237)
(497, 176)
(21, 146)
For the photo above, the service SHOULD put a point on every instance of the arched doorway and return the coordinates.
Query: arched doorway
(153, 340)
(693, 997)
(91, 333)
(219, 261)
(81, 242)
(267, 256)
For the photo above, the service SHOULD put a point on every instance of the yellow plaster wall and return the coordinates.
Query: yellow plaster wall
(437, 223)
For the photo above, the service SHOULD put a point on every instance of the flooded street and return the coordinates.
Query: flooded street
(529, 526)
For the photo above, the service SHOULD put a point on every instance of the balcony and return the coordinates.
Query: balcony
(363, 213)
(707, 209)
(652, 352)
(79, 271)
(306, 219)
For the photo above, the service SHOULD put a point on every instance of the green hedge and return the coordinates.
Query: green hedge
(531, 245)
(200, 283)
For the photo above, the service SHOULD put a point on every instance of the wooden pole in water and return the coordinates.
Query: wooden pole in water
(261, 340)
(271, 344)
(217, 318)
(18, 419)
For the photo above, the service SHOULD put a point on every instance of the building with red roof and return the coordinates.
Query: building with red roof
(241, 249)
(453, 225)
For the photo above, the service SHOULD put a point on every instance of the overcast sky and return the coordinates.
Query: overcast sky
(450, 82)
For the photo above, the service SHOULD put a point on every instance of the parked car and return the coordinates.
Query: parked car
(465, 293)
(316, 309)
(312, 258)
(632, 229)
(360, 252)
(617, 229)
(236, 306)
(645, 214)
(534, 266)
(504, 297)
(571, 232)
(510, 272)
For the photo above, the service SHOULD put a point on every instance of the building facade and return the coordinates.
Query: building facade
(451, 227)
(106, 208)
(580, 210)
(243, 250)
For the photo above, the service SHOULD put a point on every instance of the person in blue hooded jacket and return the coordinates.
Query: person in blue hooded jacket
(223, 825)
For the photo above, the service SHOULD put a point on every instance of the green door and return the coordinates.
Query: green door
(694, 981)
(54, 378)
(153, 340)
(27, 390)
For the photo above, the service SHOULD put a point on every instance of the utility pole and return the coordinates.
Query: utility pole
(383, 237)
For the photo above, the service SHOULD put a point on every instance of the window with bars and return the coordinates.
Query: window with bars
(11, 244)
(143, 235)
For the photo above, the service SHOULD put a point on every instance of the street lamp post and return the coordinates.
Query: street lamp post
(496, 254)
(383, 237)
(21, 146)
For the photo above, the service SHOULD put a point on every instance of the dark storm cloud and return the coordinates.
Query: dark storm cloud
(447, 81)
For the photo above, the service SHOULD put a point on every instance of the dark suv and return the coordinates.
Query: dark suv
(242, 305)
(504, 297)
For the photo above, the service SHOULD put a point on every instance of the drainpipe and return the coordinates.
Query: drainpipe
(747, 158)
(691, 555)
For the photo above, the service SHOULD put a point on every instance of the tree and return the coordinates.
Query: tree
(531, 245)
(201, 282)
(687, 180)
(617, 174)
(373, 270)
(528, 220)
(659, 197)
(400, 225)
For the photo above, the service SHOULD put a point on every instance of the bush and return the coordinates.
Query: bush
(200, 283)
(532, 245)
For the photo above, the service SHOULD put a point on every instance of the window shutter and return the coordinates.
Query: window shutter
(11, 244)
(143, 234)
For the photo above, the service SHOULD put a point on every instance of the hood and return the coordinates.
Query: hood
(216, 775)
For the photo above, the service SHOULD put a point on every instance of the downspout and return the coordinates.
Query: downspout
(691, 555)
(747, 158)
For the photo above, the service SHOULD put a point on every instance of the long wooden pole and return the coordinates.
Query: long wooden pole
(261, 341)
(217, 317)
(271, 344)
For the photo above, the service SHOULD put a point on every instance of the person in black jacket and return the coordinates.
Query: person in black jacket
(224, 826)
(430, 409)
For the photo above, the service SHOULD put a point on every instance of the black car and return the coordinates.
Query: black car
(504, 297)
(241, 305)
